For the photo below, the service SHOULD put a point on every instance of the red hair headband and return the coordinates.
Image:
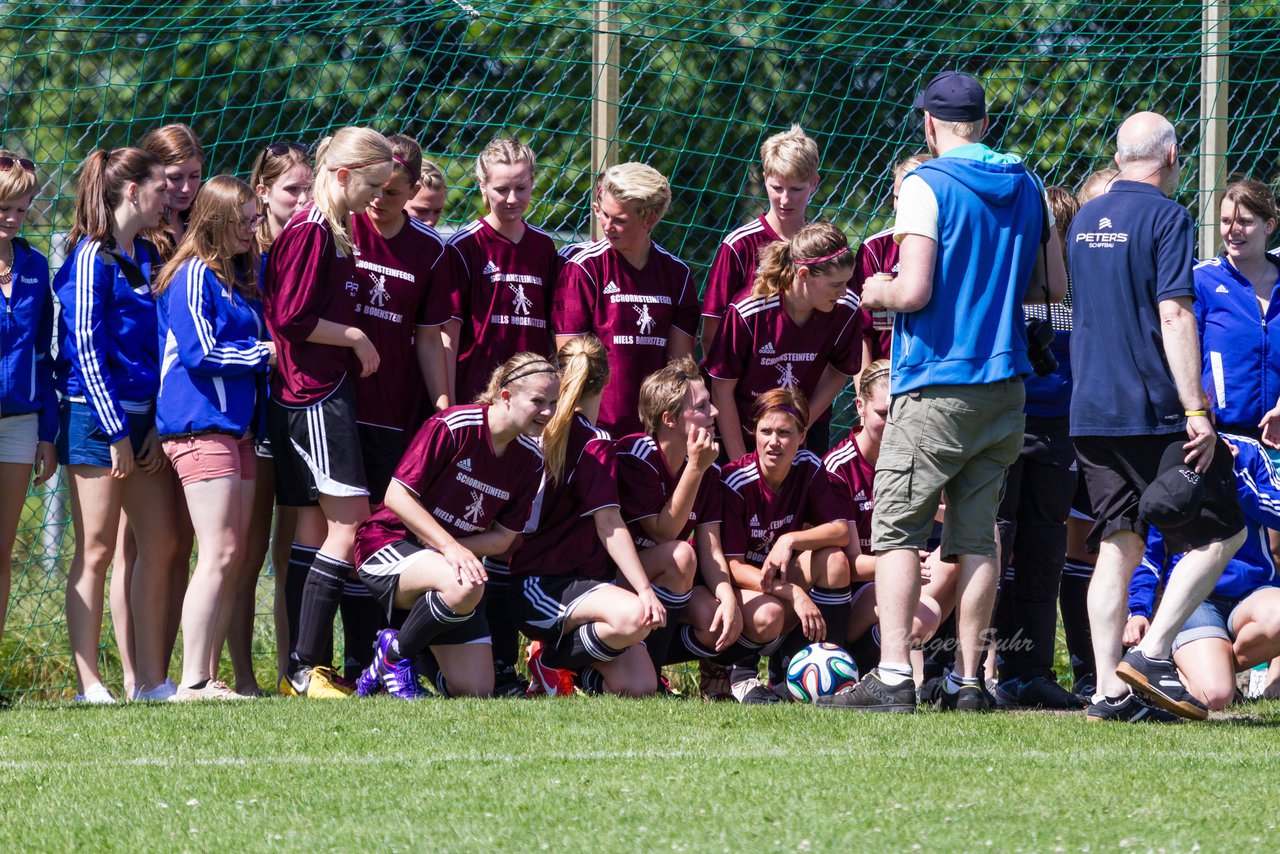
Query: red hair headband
(807, 262)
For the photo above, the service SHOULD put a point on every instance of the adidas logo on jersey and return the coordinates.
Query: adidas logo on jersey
(465, 464)
(490, 269)
(1222, 289)
(767, 349)
(755, 522)
(611, 288)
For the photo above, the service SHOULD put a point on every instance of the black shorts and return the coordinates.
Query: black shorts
(317, 450)
(381, 449)
(542, 604)
(381, 574)
(1118, 470)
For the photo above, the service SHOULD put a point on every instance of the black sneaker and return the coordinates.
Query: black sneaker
(872, 695)
(1130, 709)
(1040, 692)
(1158, 679)
(929, 690)
(1085, 686)
(507, 682)
(968, 698)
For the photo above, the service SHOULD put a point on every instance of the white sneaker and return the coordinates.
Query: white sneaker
(96, 694)
(161, 693)
(211, 690)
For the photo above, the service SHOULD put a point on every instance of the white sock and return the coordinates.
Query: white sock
(893, 673)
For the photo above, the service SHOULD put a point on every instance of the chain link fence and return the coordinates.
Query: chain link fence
(700, 86)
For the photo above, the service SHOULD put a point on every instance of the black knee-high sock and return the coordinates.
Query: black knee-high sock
(503, 633)
(320, 600)
(834, 603)
(428, 618)
(577, 649)
(362, 619)
(592, 680)
(426, 664)
(658, 643)
(295, 581)
(1074, 599)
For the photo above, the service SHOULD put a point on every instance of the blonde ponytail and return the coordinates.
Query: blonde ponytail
(584, 371)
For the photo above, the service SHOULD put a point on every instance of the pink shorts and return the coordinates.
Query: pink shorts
(211, 456)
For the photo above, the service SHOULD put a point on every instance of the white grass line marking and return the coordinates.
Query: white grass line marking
(718, 754)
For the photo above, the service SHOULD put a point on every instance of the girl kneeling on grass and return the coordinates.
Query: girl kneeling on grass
(213, 357)
(462, 491)
(564, 600)
(670, 491)
(784, 536)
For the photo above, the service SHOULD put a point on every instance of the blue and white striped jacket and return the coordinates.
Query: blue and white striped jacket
(107, 353)
(26, 336)
(213, 354)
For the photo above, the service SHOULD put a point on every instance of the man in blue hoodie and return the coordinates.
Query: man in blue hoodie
(971, 226)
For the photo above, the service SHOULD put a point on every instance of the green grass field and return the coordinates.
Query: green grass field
(602, 774)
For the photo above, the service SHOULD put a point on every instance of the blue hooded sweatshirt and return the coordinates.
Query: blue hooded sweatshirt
(990, 224)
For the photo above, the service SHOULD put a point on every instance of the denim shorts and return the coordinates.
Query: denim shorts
(1214, 618)
(81, 442)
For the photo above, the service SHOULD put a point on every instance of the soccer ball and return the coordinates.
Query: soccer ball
(820, 670)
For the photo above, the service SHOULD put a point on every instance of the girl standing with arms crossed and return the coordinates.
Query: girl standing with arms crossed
(310, 310)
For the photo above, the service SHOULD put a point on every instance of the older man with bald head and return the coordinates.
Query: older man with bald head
(1140, 421)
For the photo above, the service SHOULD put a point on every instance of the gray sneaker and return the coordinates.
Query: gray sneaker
(873, 695)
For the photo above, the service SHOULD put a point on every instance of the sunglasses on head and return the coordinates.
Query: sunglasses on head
(7, 163)
(278, 149)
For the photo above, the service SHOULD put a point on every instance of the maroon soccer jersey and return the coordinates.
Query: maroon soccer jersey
(877, 254)
(560, 538)
(755, 516)
(632, 311)
(734, 268)
(761, 347)
(645, 485)
(853, 478)
(394, 277)
(308, 280)
(452, 469)
(499, 292)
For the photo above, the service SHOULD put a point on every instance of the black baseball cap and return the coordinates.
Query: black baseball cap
(953, 97)
(1174, 497)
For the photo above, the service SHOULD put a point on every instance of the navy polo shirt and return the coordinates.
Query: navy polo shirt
(1127, 250)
